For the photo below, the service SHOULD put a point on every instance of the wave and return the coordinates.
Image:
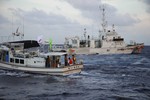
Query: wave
(144, 90)
(53, 95)
(13, 73)
(122, 98)
(142, 61)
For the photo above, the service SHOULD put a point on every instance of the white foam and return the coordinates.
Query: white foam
(142, 61)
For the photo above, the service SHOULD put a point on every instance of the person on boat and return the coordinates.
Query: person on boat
(74, 59)
(57, 63)
(70, 61)
(45, 62)
(66, 60)
(7, 57)
(0, 55)
(48, 60)
(13, 51)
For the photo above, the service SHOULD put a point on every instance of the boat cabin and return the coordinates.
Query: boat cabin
(58, 59)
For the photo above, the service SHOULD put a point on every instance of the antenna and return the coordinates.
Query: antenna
(22, 35)
(85, 33)
(104, 22)
(113, 27)
(23, 25)
(12, 29)
(100, 34)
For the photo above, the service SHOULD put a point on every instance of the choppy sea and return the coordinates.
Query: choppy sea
(104, 77)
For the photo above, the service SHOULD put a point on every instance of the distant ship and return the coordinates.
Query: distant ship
(110, 43)
(107, 42)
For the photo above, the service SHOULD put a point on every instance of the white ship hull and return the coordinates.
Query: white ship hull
(67, 70)
(102, 50)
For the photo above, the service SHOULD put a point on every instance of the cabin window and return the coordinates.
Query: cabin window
(16, 60)
(74, 41)
(21, 61)
(12, 60)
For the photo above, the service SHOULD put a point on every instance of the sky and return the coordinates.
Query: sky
(57, 19)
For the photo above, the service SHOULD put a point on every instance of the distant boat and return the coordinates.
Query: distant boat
(137, 48)
(107, 42)
(24, 56)
(110, 43)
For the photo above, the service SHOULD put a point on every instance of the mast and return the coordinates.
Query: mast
(104, 22)
(85, 36)
(12, 28)
(85, 33)
(22, 35)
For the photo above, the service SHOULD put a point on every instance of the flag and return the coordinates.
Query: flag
(17, 30)
(50, 43)
(40, 39)
(71, 51)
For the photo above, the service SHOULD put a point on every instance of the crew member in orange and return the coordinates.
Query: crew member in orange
(70, 61)
(74, 59)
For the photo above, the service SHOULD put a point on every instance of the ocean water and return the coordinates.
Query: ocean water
(104, 77)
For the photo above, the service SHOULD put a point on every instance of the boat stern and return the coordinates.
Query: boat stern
(138, 48)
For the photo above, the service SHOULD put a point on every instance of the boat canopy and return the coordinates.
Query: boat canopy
(28, 43)
(53, 54)
(2, 47)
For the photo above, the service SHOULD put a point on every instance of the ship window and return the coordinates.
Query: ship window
(12, 60)
(21, 61)
(16, 60)
(74, 41)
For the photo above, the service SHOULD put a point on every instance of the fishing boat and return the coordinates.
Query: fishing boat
(107, 42)
(25, 56)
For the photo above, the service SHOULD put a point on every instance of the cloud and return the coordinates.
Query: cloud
(119, 19)
(80, 12)
(37, 22)
(91, 9)
(54, 7)
(3, 20)
(147, 2)
(39, 17)
(86, 5)
(62, 18)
